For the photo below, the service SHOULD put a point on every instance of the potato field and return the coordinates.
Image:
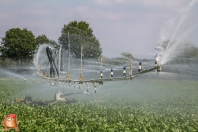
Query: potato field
(122, 115)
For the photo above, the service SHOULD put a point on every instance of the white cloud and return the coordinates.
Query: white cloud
(35, 11)
(8, 1)
(109, 2)
(160, 3)
(3, 16)
(80, 10)
(166, 3)
(120, 1)
(106, 15)
(103, 2)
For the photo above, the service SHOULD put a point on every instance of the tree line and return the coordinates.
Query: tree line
(181, 50)
(20, 45)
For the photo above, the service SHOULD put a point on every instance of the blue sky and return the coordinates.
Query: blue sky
(134, 26)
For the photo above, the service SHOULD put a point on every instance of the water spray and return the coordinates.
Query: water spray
(182, 20)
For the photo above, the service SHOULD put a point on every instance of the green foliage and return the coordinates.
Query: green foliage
(42, 39)
(125, 59)
(191, 51)
(176, 114)
(127, 55)
(184, 49)
(80, 34)
(18, 44)
(6, 62)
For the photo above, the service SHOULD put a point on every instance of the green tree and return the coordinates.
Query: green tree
(184, 49)
(127, 55)
(42, 39)
(18, 44)
(80, 34)
(189, 50)
(196, 53)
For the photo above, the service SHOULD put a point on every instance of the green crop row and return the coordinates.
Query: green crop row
(174, 115)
